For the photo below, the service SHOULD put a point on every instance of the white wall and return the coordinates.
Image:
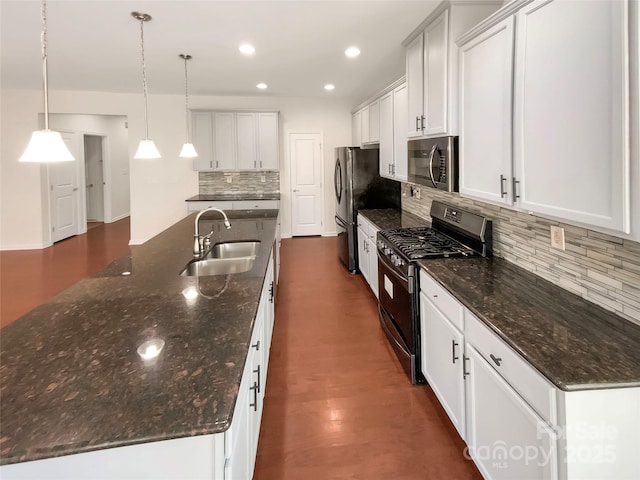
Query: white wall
(158, 187)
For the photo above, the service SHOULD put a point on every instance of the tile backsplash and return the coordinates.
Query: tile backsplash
(241, 182)
(599, 267)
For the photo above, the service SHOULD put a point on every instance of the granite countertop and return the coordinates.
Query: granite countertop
(72, 380)
(392, 218)
(227, 197)
(574, 343)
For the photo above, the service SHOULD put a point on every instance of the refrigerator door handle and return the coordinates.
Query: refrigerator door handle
(337, 180)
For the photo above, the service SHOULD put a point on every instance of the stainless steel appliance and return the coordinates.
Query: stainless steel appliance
(453, 233)
(357, 186)
(433, 162)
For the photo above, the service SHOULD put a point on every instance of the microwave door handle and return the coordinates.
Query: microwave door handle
(433, 152)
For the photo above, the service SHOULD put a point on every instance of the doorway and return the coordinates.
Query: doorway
(63, 186)
(94, 178)
(305, 154)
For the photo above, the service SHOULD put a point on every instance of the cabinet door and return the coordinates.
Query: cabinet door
(486, 77)
(571, 111)
(202, 141)
(224, 140)
(364, 132)
(386, 135)
(436, 47)
(238, 462)
(505, 437)
(363, 257)
(442, 348)
(268, 145)
(400, 105)
(415, 98)
(373, 264)
(356, 129)
(374, 121)
(246, 126)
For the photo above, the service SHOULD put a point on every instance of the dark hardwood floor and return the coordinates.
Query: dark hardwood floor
(338, 405)
(29, 278)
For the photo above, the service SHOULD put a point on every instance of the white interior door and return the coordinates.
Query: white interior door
(93, 159)
(64, 192)
(306, 183)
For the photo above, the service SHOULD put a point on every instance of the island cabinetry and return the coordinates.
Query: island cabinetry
(432, 66)
(236, 140)
(197, 205)
(536, 113)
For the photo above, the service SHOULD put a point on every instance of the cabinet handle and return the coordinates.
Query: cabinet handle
(453, 351)
(256, 346)
(271, 293)
(217, 164)
(393, 169)
(503, 183)
(255, 164)
(255, 397)
(515, 189)
(257, 370)
(496, 360)
(465, 374)
(423, 121)
(210, 163)
(417, 123)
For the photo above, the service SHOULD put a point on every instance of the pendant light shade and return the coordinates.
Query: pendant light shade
(45, 146)
(147, 149)
(188, 150)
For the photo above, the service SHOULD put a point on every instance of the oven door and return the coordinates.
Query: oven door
(396, 313)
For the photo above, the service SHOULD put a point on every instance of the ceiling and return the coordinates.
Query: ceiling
(94, 45)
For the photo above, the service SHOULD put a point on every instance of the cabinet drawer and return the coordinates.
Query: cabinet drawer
(197, 206)
(364, 225)
(255, 204)
(443, 300)
(522, 377)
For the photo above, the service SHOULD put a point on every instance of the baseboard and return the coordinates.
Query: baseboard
(119, 217)
(137, 241)
(285, 235)
(330, 234)
(30, 246)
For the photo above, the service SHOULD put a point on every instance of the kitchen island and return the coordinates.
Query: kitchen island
(72, 380)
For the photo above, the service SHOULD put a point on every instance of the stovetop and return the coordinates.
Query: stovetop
(425, 242)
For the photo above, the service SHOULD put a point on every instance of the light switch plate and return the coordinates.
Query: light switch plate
(263, 179)
(229, 179)
(557, 237)
(417, 192)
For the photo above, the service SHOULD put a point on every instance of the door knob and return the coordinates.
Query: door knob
(295, 190)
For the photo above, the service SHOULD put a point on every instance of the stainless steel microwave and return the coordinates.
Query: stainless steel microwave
(434, 162)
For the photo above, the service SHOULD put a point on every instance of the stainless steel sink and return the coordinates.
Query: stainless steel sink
(234, 250)
(218, 266)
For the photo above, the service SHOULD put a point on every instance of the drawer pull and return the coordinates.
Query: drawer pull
(255, 388)
(256, 345)
(435, 296)
(496, 360)
(257, 370)
(465, 374)
(453, 351)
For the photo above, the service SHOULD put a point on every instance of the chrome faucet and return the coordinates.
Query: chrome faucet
(198, 241)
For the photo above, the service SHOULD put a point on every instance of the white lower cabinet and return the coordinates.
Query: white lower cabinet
(367, 252)
(505, 437)
(196, 206)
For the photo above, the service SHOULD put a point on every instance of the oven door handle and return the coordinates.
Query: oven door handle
(393, 336)
(390, 268)
(433, 152)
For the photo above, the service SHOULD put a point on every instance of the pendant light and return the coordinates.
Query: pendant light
(188, 150)
(147, 149)
(45, 146)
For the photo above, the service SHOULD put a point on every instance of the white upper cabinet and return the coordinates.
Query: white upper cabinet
(374, 122)
(432, 68)
(386, 134)
(356, 129)
(365, 125)
(486, 80)
(236, 140)
(571, 117)
(400, 167)
(544, 111)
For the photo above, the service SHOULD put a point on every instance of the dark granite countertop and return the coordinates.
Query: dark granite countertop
(392, 218)
(72, 380)
(574, 343)
(228, 197)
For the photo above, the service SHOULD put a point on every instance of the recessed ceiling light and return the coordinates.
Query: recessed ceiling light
(352, 52)
(247, 49)
(261, 86)
(329, 87)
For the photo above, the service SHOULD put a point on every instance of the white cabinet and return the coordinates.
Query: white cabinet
(393, 136)
(432, 69)
(196, 206)
(374, 122)
(364, 119)
(568, 122)
(356, 129)
(236, 140)
(367, 252)
(486, 84)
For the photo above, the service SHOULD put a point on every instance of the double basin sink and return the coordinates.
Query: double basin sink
(223, 259)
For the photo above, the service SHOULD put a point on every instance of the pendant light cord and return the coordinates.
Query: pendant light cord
(144, 82)
(186, 97)
(45, 73)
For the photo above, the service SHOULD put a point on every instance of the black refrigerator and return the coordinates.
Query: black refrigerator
(358, 186)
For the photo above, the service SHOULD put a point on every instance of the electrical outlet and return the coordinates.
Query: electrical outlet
(417, 192)
(263, 179)
(557, 237)
(229, 179)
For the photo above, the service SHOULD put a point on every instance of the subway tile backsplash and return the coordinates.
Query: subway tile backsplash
(241, 182)
(596, 266)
